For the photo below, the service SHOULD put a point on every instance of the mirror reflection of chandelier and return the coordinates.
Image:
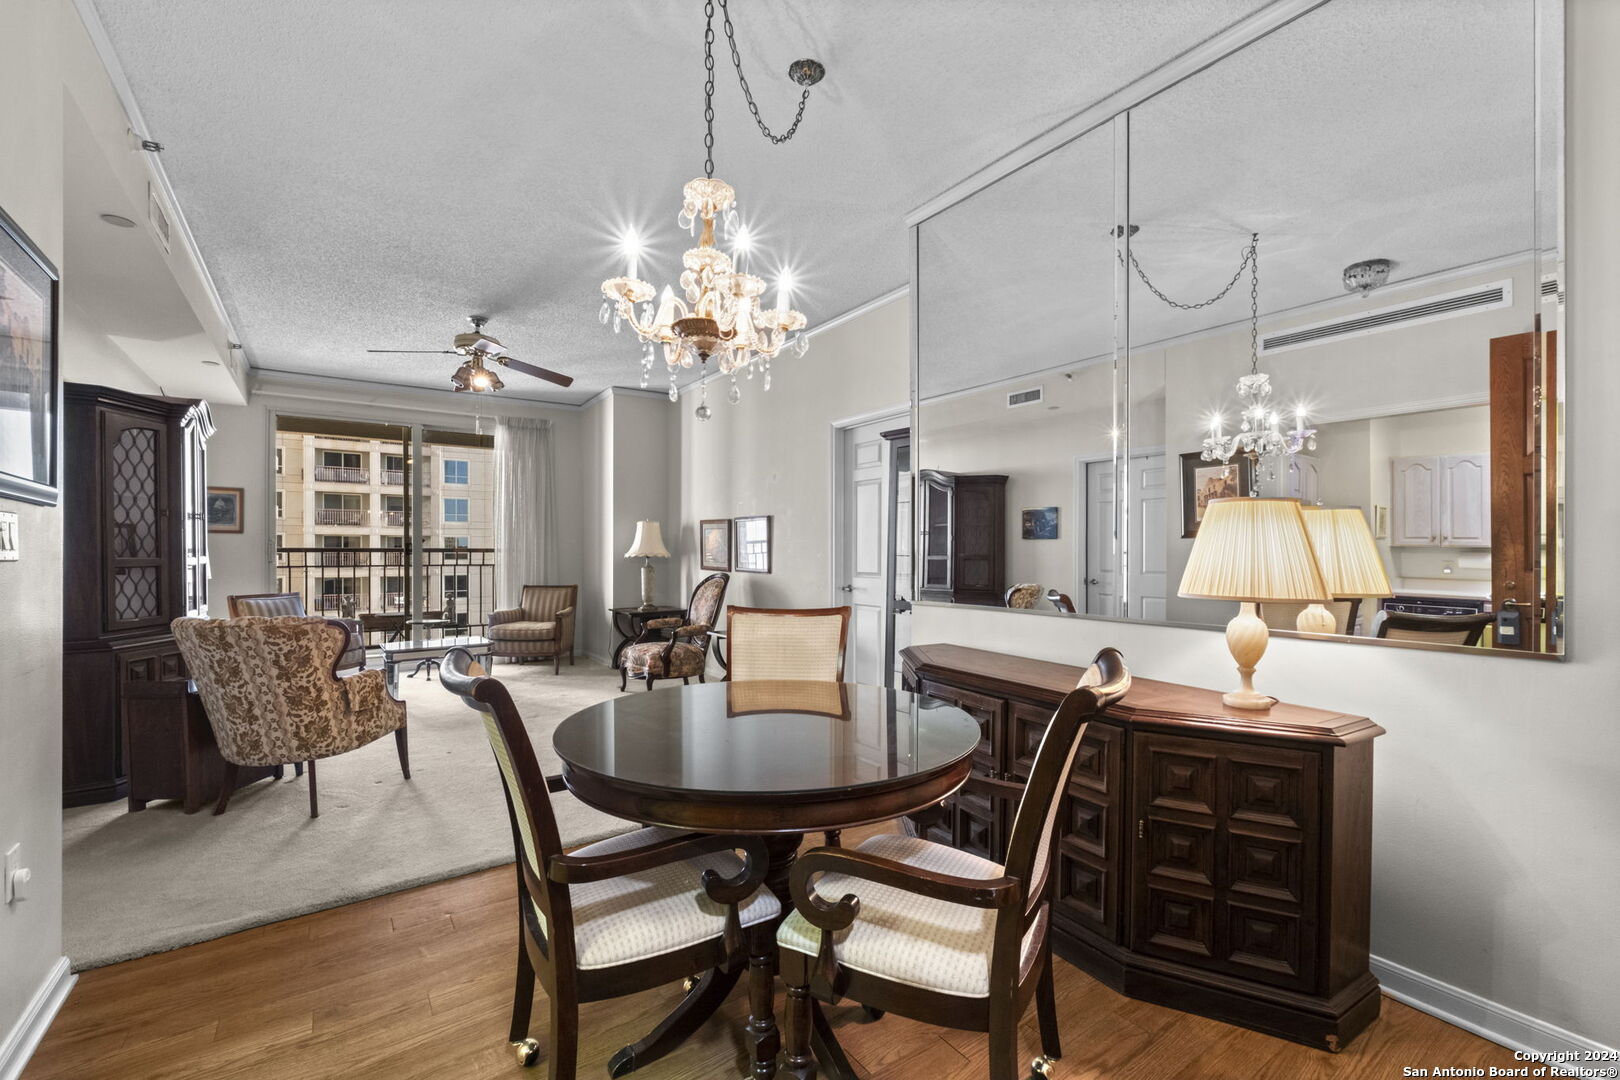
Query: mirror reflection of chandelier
(717, 312)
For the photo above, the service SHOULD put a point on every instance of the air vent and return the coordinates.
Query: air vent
(1550, 288)
(1430, 309)
(1032, 396)
(159, 219)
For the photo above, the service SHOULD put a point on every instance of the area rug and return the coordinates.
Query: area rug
(141, 883)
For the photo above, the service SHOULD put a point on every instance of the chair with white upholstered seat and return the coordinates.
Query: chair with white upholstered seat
(904, 925)
(626, 914)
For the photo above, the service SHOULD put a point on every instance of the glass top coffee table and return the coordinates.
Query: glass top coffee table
(428, 654)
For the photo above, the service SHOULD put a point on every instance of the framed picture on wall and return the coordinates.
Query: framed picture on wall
(714, 543)
(30, 393)
(1203, 480)
(224, 510)
(1041, 523)
(751, 547)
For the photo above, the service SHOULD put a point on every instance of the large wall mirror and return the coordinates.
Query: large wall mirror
(1346, 235)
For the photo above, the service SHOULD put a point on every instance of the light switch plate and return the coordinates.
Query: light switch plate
(8, 536)
(13, 863)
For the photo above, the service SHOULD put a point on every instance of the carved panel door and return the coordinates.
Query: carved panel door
(976, 823)
(1224, 872)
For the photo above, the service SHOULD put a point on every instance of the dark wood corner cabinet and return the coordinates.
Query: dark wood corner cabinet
(135, 557)
(1209, 860)
(963, 536)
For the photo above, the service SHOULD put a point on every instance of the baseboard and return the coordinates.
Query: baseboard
(30, 1028)
(1487, 1019)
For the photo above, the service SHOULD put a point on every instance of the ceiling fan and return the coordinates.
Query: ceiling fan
(479, 347)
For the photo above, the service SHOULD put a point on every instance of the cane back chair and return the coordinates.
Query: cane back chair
(786, 643)
(937, 934)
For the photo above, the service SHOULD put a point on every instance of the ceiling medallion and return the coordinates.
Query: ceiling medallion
(1367, 275)
(717, 313)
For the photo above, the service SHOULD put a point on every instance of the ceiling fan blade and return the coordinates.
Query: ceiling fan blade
(421, 352)
(537, 372)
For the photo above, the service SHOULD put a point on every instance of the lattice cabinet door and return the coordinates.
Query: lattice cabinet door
(135, 521)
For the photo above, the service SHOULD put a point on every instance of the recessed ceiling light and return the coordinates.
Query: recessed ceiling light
(119, 220)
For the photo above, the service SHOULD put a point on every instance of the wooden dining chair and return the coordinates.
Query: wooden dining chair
(1436, 629)
(1060, 600)
(626, 914)
(786, 643)
(938, 934)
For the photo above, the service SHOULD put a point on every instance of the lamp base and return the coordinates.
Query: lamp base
(649, 578)
(1316, 619)
(1247, 637)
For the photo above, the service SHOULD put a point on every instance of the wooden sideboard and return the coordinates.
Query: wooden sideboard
(1210, 859)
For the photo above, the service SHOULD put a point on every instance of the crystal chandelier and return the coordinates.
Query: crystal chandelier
(1259, 434)
(717, 313)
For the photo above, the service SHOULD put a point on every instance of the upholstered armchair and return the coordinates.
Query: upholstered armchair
(541, 626)
(1023, 595)
(273, 695)
(280, 605)
(685, 652)
(901, 924)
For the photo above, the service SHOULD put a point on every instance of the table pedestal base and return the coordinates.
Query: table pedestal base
(698, 1005)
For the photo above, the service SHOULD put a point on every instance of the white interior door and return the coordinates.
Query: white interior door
(1102, 556)
(861, 571)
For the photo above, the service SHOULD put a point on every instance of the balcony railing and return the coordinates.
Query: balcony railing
(325, 516)
(397, 517)
(362, 582)
(341, 474)
(394, 477)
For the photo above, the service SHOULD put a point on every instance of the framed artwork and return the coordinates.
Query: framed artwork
(751, 547)
(714, 543)
(1203, 480)
(1041, 523)
(30, 392)
(224, 510)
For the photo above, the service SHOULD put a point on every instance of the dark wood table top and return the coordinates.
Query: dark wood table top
(765, 756)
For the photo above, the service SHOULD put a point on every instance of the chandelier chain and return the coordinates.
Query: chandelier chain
(736, 60)
(1248, 258)
(708, 86)
(1254, 302)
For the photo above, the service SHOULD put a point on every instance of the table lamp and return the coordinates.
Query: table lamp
(1348, 556)
(1252, 551)
(647, 546)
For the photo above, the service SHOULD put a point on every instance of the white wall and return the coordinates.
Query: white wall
(772, 453)
(1494, 867)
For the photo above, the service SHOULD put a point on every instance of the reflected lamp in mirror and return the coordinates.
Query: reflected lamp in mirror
(1350, 563)
(647, 546)
(1252, 551)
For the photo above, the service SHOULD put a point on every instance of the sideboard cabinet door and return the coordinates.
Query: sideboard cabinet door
(977, 824)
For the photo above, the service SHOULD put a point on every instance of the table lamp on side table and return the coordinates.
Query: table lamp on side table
(647, 546)
(1252, 551)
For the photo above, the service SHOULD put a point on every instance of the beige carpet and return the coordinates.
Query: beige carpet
(142, 883)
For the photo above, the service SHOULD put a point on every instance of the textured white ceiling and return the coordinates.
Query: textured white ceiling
(367, 173)
(1364, 129)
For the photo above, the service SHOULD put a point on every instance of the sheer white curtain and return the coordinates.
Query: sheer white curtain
(525, 508)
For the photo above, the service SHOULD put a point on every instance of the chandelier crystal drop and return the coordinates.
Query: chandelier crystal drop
(716, 312)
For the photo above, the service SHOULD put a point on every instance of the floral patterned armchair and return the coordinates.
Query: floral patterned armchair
(685, 652)
(273, 695)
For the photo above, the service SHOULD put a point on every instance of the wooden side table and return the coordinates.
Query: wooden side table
(170, 751)
(629, 622)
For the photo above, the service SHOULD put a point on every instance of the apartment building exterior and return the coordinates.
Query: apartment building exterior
(342, 531)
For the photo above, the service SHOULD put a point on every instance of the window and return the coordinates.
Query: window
(393, 463)
(396, 542)
(351, 542)
(455, 509)
(278, 494)
(393, 588)
(455, 542)
(331, 500)
(279, 453)
(455, 585)
(338, 459)
(455, 472)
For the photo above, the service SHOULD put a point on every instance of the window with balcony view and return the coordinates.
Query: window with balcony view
(346, 520)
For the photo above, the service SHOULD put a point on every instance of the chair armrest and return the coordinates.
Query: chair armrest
(581, 869)
(565, 613)
(692, 630)
(368, 690)
(663, 624)
(506, 615)
(971, 892)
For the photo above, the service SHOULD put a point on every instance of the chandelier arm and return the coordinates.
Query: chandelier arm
(748, 93)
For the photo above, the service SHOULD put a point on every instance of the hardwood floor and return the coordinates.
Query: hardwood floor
(418, 984)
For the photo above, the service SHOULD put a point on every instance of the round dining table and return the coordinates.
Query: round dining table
(777, 759)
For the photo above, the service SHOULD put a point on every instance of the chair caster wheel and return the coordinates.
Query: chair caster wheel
(689, 984)
(1041, 1067)
(871, 1015)
(528, 1052)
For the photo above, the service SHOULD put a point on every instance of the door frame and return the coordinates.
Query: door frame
(898, 416)
(1082, 518)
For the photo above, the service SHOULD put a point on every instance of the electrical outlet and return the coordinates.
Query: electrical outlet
(14, 882)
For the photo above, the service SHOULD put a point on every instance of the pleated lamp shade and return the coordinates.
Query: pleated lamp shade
(1253, 550)
(1345, 550)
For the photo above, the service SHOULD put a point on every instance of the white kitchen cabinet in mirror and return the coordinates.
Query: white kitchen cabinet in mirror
(1442, 501)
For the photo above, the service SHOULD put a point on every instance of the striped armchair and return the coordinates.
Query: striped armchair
(281, 605)
(541, 626)
(273, 695)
